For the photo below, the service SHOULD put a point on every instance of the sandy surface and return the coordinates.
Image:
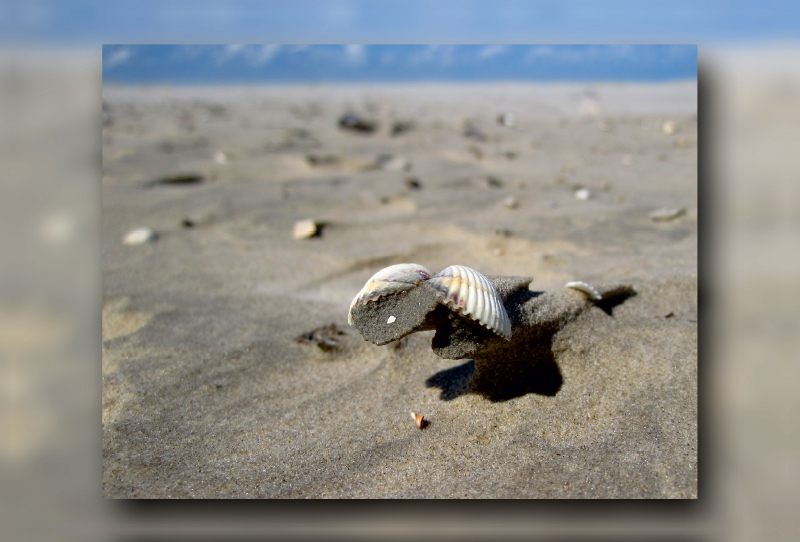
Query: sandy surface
(207, 391)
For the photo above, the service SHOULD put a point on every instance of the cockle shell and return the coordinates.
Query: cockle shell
(587, 289)
(466, 291)
(389, 280)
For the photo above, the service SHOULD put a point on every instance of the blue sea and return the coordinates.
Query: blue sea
(279, 63)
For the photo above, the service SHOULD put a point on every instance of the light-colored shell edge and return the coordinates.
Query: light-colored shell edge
(588, 289)
(389, 280)
(468, 292)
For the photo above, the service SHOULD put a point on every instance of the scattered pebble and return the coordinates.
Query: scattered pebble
(583, 194)
(318, 160)
(413, 183)
(187, 223)
(474, 133)
(500, 232)
(355, 123)
(670, 314)
(420, 420)
(305, 229)
(398, 127)
(493, 182)
(140, 236)
(221, 158)
(179, 180)
(511, 202)
(507, 119)
(391, 320)
(510, 154)
(667, 213)
(669, 127)
(498, 252)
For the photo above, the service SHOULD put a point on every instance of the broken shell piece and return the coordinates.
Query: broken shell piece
(221, 158)
(467, 292)
(304, 229)
(387, 162)
(669, 127)
(666, 213)
(511, 202)
(389, 280)
(391, 320)
(589, 290)
(419, 419)
(140, 237)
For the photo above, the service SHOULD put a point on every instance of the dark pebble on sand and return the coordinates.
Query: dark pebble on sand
(355, 123)
(493, 182)
(413, 183)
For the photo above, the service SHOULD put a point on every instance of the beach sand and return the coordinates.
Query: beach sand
(229, 368)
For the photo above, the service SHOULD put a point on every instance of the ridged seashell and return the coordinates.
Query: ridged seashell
(466, 291)
(389, 280)
(585, 288)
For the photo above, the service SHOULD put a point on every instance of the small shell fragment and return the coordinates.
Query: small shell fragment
(387, 162)
(391, 320)
(511, 202)
(666, 213)
(221, 158)
(419, 419)
(467, 292)
(589, 290)
(304, 229)
(390, 280)
(140, 236)
(669, 127)
(583, 194)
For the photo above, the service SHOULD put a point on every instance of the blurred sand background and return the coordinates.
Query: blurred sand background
(749, 104)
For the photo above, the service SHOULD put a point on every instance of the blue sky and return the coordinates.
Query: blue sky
(265, 63)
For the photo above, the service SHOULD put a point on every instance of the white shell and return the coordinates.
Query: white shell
(585, 288)
(466, 291)
(140, 237)
(389, 280)
(304, 229)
